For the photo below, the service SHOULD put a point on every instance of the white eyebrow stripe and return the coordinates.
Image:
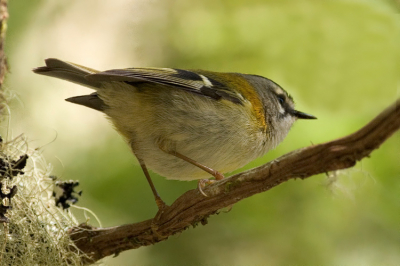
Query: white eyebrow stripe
(279, 91)
(206, 81)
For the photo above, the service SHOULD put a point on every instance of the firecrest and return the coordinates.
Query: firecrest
(186, 124)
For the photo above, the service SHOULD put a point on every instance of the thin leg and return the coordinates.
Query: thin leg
(209, 170)
(202, 182)
(160, 203)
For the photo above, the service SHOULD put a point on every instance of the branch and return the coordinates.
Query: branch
(192, 207)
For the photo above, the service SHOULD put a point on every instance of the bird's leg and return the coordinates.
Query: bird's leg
(202, 182)
(160, 203)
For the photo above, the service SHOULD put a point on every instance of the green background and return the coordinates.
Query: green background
(339, 60)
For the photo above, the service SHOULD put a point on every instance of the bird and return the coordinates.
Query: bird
(186, 124)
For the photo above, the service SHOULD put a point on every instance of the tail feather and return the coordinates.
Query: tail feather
(77, 74)
(92, 101)
(68, 71)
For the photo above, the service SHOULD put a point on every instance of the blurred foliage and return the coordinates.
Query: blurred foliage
(339, 60)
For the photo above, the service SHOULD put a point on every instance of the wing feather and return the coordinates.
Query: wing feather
(198, 83)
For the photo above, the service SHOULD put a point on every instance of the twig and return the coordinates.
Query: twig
(192, 207)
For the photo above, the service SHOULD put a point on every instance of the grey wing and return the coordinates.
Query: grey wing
(187, 80)
(199, 83)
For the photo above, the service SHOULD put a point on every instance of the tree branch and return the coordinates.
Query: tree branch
(192, 207)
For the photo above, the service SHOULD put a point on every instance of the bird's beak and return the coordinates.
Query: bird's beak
(301, 115)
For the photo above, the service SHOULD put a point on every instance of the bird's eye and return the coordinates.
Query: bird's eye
(281, 99)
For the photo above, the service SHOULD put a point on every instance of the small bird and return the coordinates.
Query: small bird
(186, 124)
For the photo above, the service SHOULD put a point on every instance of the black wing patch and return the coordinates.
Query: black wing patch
(188, 75)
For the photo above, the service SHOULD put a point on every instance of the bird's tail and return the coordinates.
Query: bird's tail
(77, 74)
(68, 71)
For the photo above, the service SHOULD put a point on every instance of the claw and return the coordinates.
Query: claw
(202, 184)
